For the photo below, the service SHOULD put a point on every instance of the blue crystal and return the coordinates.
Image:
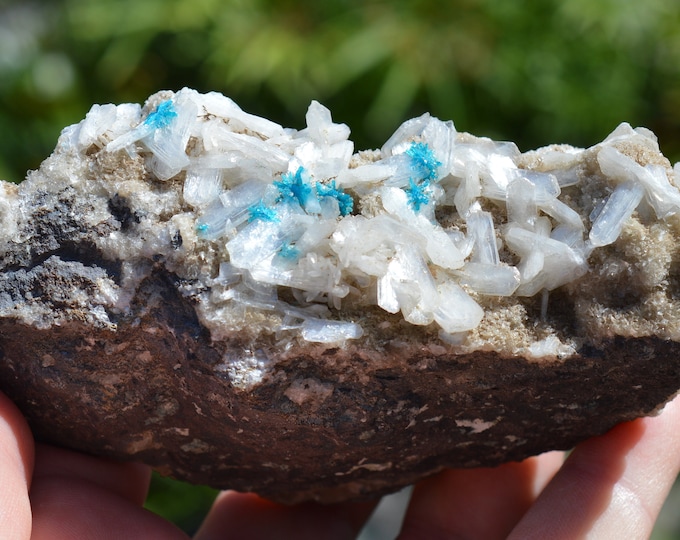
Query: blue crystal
(262, 212)
(161, 115)
(423, 161)
(345, 201)
(417, 195)
(202, 228)
(292, 187)
(289, 251)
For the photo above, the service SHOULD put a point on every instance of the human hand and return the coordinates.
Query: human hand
(611, 486)
(78, 497)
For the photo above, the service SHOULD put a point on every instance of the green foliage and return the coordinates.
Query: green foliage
(183, 504)
(533, 72)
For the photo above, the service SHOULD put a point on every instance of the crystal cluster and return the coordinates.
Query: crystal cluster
(428, 226)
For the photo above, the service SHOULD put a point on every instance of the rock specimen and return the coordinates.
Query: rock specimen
(260, 308)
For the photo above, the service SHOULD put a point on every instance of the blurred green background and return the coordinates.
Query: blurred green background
(532, 72)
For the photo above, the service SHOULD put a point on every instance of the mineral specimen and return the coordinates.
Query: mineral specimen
(261, 308)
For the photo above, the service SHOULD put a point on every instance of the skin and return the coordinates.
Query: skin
(612, 486)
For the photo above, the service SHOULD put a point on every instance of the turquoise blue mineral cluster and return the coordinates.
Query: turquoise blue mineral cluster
(429, 226)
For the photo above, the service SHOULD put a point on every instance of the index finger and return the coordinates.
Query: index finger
(612, 486)
(16, 468)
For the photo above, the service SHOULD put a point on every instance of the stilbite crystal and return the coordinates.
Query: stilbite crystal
(273, 202)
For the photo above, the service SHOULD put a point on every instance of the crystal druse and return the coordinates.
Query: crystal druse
(388, 298)
(435, 225)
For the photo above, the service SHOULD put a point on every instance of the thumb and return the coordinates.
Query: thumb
(16, 469)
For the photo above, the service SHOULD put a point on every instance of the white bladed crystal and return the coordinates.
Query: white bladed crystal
(325, 331)
(490, 279)
(620, 205)
(433, 225)
(456, 311)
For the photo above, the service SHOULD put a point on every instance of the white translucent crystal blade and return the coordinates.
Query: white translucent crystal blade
(372, 173)
(490, 279)
(457, 311)
(320, 126)
(98, 121)
(619, 207)
(469, 190)
(325, 331)
(563, 163)
(324, 162)
(221, 106)
(546, 187)
(202, 186)
(465, 156)
(416, 227)
(411, 282)
(386, 295)
(219, 139)
(571, 236)
(243, 195)
(545, 263)
(438, 245)
(404, 134)
(520, 201)
(169, 143)
(618, 166)
(501, 169)
(441, 137)
(213, 221)
(562, 213)
(664, 197)
(622, 132)
(481, 231)
(257, 241)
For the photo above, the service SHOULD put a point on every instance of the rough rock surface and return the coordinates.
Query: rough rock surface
(118, 336)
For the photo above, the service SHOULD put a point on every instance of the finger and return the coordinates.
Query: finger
(477, 503)
(127, 480)
(16, 467)
(80, 496)
(611, 486)
(249, 517)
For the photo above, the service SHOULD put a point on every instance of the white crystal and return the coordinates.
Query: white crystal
(490, 279)
(408, 285)
(500, 171)
(168, 144)
(325, 331)
(545, 263)
(320, 126)
(619, 206)
(456, 310)
(520, 201)
(469, 190)
(410, 227)
(405, 134)
(483, 236)
(223, 107)
(202, 186)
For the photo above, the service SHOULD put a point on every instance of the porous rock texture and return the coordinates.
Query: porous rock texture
(119, 335)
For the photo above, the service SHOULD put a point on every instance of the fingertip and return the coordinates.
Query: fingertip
(458, 503)
(127, 480)
(613, 485)
(16, 469)
(249, 517)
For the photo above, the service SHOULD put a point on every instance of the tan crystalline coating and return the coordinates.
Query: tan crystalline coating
(128, 329)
